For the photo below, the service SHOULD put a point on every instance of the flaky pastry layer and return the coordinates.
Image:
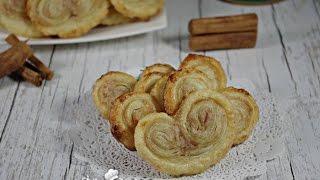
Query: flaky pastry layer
(126, 112)
(110, 86)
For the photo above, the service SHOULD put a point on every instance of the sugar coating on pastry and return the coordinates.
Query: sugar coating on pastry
(180, 84)
(14, 19)
(142, 9)
(110, 86)
(246, 112)
(126, 112)
(157, 68)
(66, 18)
(150, 76)
(209, 66)
(158, 90)
(146, 83)
(194, 140)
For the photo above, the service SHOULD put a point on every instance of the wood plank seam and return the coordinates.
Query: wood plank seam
(41, 94)
(266, 74)
(81, 80)
(284, 49)
(292, 172)
(200, 8)
(1, 83)
(10, 112)
(180, 44)
(312, 63)
(294, 4)
(228, 65)
(316, 8)
(70, 162)
(55, 92)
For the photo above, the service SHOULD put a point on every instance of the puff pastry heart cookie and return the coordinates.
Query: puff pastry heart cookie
(180, 84)
(198, 137)
(128, 109)
(246, 112)
(115, 18)
(150, 76)
(209, 66)
(160, 68)
(142, 9)
(14, 19)
(66, 18)
(110, 86)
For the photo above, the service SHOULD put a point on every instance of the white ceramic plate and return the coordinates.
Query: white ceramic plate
(103, 32)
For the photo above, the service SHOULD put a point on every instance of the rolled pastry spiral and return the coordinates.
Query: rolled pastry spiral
(142, 9)
(180, 84)
(146, 83)
(115, 18)
(198, 137)
(14, 19)
(209, 66)
(161, 68)
(110, 86)
(150, 76)
(246, 112)
(128, 109)
(66, 18)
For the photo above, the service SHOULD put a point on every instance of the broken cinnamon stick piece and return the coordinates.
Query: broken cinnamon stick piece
(45, 71)
(223, 41)
(14, 58)
(30, 76)
(224, 24)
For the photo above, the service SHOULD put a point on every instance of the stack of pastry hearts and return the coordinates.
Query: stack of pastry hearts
(71, 18)
(180, 121)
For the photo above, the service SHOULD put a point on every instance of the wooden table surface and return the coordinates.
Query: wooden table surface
(286, 61)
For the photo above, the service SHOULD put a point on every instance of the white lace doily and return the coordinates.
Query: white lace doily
(94, 144)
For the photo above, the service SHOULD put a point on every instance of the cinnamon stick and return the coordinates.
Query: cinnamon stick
(14, 58)
(223, 41)
(30, 76)
(224, 24)
(44, 70)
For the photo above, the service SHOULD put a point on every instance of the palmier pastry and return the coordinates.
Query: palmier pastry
(180, 84)
(110, 86)
(246, 112)
(198, 137)
(209, 66)
(142, 9)
(14, 19)
(161, 68)
(146, 83)
(66, 18)
(150, 76)
(115, 18)
(128, 109)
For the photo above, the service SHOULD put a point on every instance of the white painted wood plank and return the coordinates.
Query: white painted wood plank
(8, 89)
(171, 45)
(298, 23)
(24, 143)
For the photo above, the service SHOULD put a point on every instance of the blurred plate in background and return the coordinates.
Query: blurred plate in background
(103, 32)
